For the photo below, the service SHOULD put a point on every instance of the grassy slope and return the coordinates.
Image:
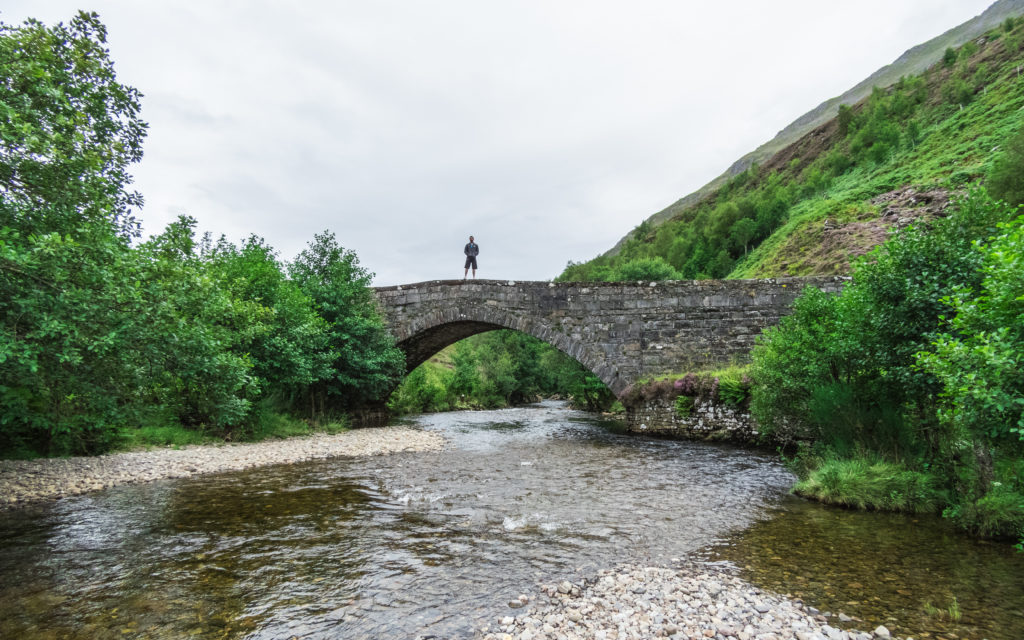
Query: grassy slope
(912, 62)
(958, 145)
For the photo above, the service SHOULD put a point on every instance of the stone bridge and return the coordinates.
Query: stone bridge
(621, 331)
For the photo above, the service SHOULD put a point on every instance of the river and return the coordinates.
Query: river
(436, 544)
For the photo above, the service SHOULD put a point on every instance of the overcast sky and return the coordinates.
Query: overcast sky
(546, 129)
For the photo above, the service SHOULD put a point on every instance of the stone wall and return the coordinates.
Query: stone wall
(621, 331)
(707, 419)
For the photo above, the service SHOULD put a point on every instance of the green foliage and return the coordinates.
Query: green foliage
(365, 364)
(980, 363)
(868, 375)
(270, 425)
(844, 119)
(498, 369)
(645, 269)
(872, 484)
(68, 133)
(684, 406)
(805, 350)
(69, 130)
(998, 513)
(949, 57)
(733, 392)
(175, 436)
(1006, 178)
(194, 335)
(952, 612)
(103, 343)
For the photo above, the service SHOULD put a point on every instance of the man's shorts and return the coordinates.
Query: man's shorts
(470, 262)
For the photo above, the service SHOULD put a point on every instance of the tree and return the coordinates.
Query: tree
(845, 119)
(192, 335)
(292, 352)
(742, 232)
(365, 364)
(70, 130)
(68, 134)
(1006, 178)
(949, 57)
(981, 362)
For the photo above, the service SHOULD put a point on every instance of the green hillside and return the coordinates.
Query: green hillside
(896, 156)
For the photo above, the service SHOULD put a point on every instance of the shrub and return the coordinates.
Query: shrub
(997, 514)
(645, 269)
(684, 406)
(1006, 178)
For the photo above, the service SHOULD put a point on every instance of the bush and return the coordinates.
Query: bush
(684, 406)
(997, 514)
(645, 269)
(1006, 178)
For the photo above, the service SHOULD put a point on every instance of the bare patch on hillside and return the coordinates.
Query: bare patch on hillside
(829, 248)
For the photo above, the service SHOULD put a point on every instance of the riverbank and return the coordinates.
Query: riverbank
(691, 600)
(29, 481)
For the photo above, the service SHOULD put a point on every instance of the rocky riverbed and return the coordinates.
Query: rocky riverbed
(27, 481)
(690, 601)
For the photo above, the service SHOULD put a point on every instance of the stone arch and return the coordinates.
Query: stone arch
(432, 331)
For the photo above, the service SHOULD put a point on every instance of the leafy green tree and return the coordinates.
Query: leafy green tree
(981, 363)
(913, 133)
(847, 371)
(721, 265)
(845, 119)
(365, 364)
(68, 134)
(293, 352)
(1006, 178)
(949, 57)
(742, 232)
(804, 351)
(193, 335)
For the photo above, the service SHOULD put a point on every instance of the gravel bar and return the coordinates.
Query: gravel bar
(692, 601)
(27, 481)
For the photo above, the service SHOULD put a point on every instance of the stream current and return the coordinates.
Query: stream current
(437, 544)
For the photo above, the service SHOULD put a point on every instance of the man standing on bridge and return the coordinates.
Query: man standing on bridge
(472, 250)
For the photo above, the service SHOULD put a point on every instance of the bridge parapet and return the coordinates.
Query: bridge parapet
(622, 331)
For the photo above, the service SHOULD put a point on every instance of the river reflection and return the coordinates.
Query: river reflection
(400, 546)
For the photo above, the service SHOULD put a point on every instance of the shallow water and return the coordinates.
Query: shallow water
(420, 544)
(905, 572)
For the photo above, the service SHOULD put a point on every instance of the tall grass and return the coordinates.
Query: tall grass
(867, 484)
(270, 426)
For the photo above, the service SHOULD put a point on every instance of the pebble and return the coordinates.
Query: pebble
(27, 481)
(692, 600)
